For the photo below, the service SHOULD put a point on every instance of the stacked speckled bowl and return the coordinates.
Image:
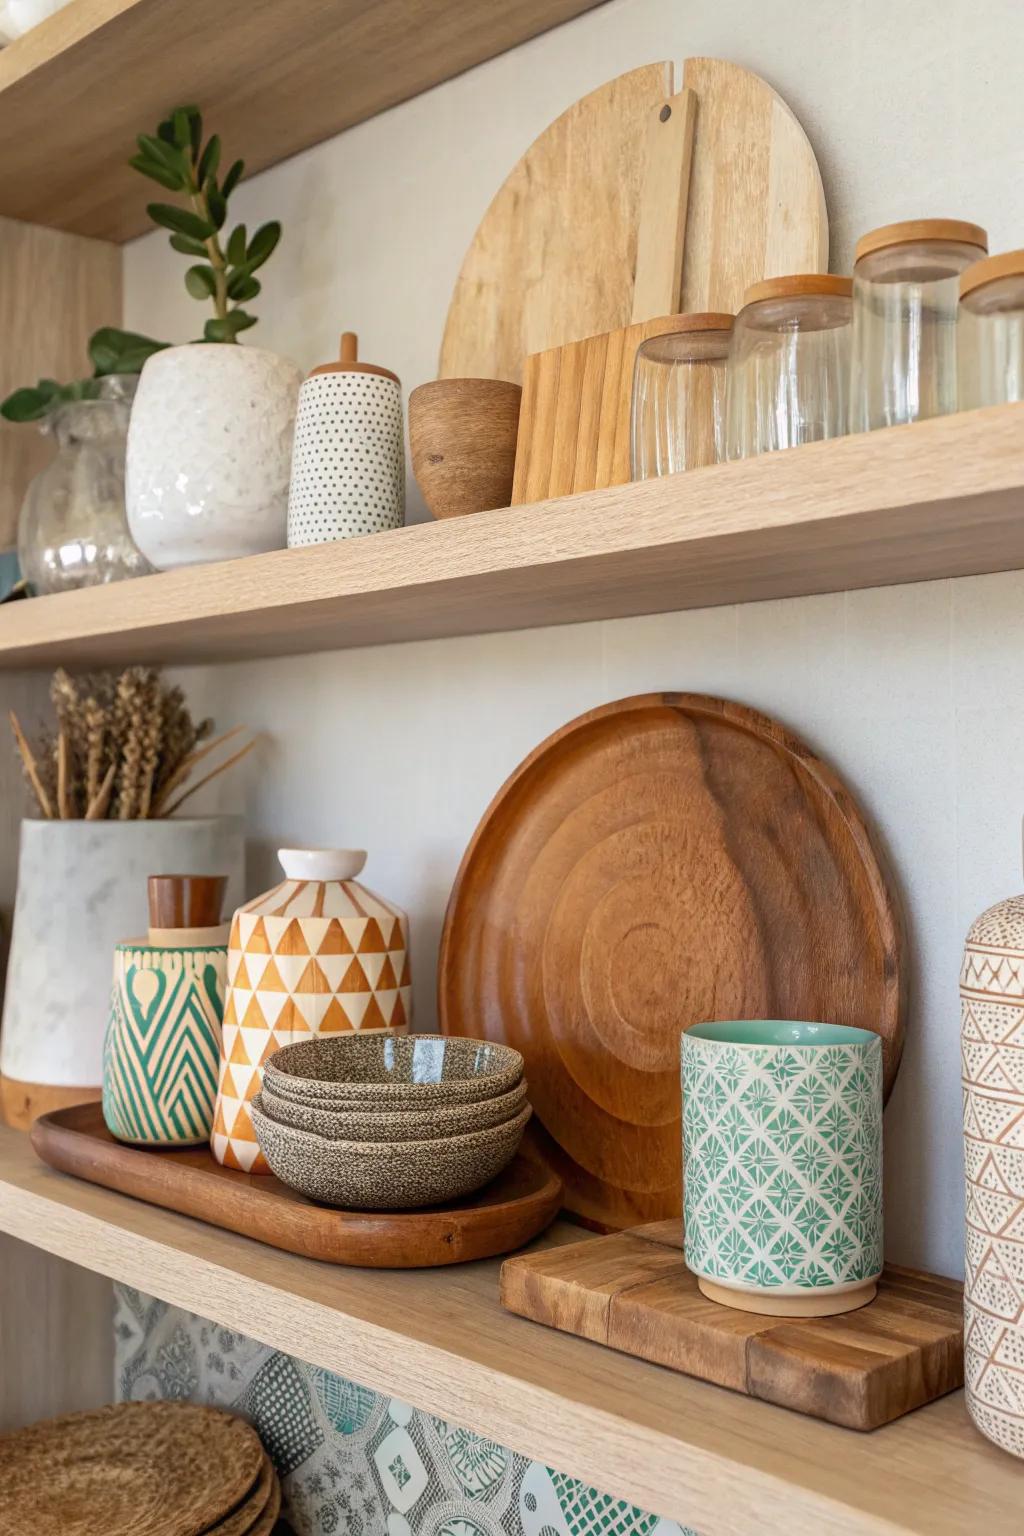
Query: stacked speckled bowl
(390, 1122)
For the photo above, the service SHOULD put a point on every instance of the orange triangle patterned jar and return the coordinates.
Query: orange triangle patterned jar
(317, 955)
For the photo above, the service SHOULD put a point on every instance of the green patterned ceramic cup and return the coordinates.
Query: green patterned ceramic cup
(162, 1051)
(782, 1156)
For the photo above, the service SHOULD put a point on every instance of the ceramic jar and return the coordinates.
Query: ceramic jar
(992, 1053)
(782, 1165)
(348, 468)
(162, 1052)
(317, 955)
(78, 895)
(209, 453)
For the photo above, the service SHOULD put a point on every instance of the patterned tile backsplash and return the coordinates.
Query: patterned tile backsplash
(352, 1462)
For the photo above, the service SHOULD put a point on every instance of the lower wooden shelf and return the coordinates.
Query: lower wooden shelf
(719, 1462)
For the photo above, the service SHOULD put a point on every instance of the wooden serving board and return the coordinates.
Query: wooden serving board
(659, 862)
(518, 1205)
(574, 242)
(634, 1292)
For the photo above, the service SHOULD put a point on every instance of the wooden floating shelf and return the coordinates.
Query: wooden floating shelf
(941, 498)
(278, 76)
(438, 1339)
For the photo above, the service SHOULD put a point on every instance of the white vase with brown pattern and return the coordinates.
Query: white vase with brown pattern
(317, 955)
(992, 1042)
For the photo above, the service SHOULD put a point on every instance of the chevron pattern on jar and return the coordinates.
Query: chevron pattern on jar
(163, 1044)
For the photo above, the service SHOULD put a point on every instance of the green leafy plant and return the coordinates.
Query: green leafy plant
(110, 351)
(177, 158)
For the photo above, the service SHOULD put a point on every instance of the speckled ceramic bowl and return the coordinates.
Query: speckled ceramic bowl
(381, 1176)
(390, 1072)
(411, 1125)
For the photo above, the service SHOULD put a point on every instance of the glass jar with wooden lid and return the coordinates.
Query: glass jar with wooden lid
(991, 339)
(678, 410)
(905, 296)
(789, 364)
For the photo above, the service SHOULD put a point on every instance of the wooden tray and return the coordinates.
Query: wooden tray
(634, 1292)
(658, 862)
(508, 1213)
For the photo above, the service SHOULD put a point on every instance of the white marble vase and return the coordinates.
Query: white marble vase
(992, 1048)
(81, 888)
(210, 452)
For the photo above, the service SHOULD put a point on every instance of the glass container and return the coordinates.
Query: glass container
(990, 340)
(678, 413)
(905, 298)
(789, 364)
(73, 530)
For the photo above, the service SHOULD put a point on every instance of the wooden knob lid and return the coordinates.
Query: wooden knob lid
(348, 361)
(186, 901)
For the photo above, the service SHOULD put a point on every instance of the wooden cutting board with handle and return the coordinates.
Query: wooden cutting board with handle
(639, 201)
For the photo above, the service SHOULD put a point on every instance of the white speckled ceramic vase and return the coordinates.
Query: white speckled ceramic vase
(79, 885)
(992, 1054)
(209, 453)
(348, 468)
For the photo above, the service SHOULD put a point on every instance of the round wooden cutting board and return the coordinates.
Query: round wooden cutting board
(659, 862)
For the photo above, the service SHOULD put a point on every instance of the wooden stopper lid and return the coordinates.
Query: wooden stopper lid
(990, 268)
(801, 285)
(913, 230)
(698, 320)
(348, 354)
(186, 901)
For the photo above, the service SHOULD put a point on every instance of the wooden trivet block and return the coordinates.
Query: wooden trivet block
(634, 1292)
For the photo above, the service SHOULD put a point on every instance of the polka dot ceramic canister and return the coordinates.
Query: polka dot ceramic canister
(348, 462)
(992, 1053)
(782, 1165)
(317, 955)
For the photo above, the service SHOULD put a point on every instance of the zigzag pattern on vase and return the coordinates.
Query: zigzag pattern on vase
(163, 1046)
(294, 976)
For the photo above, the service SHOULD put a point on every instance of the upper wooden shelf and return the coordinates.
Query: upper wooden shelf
(438, 1339)
(275, 76)
(942, 498)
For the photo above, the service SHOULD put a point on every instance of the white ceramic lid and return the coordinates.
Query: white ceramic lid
(321, 863)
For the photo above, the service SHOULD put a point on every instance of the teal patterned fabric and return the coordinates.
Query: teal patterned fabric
(352, 1462)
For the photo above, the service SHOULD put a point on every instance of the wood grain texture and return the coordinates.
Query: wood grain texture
(55, 290)
(462, 436)
(634, 1292)
(438, 1339)
(660, 862)
(938, 498)
(280, 76)
(518, 1205)
(56, 1336)
(661, 225)
(22, 1103)
(574, 421)
(555, 258)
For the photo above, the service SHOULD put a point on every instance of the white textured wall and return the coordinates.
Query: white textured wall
(913, 693)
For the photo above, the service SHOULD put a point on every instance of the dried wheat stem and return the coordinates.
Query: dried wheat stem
(228, 763)
(95, 733)
(63, 802)
(186, 765)
(97, 807)
(29, 764)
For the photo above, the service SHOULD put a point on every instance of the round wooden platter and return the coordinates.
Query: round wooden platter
(659, 862)
(511, 1210)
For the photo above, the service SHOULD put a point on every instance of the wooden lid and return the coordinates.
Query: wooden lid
(186, 901)
(913, 230)
(800, 285)
(990, 268)
(347, 361)
(699, 320)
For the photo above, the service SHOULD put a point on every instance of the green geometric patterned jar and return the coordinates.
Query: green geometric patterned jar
(782, 1157)
(162, 1051)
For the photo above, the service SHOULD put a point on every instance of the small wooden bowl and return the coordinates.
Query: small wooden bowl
(463, 438)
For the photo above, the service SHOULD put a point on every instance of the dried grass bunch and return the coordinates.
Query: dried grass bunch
(124, 748)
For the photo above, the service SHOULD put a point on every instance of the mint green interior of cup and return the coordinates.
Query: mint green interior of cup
(779, 1032)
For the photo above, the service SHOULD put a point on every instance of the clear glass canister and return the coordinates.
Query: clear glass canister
(789, 364)
(905, 295)
(73, 529)
(678, 414)
(990, 344)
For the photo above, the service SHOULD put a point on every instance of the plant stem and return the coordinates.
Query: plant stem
(217, 259)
